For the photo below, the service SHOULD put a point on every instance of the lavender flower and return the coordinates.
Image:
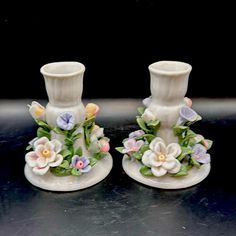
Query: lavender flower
(66, 121)
(136, 134)
(186, 114)
(81, 163)
(200, 154)
(131, 145)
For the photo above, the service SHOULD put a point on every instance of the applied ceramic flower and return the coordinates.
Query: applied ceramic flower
(188, 102)
(148, 115)
(81, 163)
(136, 134)
(131, 145)
(37, 111)
(147, 101)
(45, 155)
(161, 158)
(200, 154)
(186, 114)
(96, 133)
(66, 121)
(91, 110)
(104, 145)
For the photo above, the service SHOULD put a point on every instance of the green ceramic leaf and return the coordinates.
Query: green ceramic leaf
(147, 137)
(144, 148)
(194, 162)
(89, 122)
(119, 149)
(146, 171)
(185, 151)
(93, 161)
(65, 153)
(183, 171)
(43, 125)
(59, 171)
(75, 172)
(68, 141)
(77, 136)
(65, 164)
(178, 130)
(99, 155)
(79, 151)
(141, 110)
(29, 147)
(57, 130)
(142, 124)
(137, 155)
(43, 133)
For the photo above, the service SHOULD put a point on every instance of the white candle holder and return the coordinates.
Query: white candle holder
(70, 151)
(165, 152)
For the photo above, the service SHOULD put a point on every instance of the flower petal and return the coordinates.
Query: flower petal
(31, 158)
(51, 158)
(57, 145)
(145, 158)
(147, 101)
(74, 160)
(188, 114)
(41, 162)
(176, 169)
(154, 145)
(139, 144)
(40, 171)
(130, 144)
(57, 162)
(86, 169)
(169, 165)
(173, 149)
(158, 171)
(40, 141)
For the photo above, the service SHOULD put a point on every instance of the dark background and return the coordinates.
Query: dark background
(116, 41)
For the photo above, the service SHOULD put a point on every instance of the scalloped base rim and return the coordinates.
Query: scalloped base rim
(195, 176)
(71, 183)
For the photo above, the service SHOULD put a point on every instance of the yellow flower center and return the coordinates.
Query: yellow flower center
(162, 157)
(46, 153)
(39, 111)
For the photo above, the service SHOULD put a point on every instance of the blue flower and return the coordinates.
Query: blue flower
(187, 114)
(81, 163)
(66, 121)
(200, 154)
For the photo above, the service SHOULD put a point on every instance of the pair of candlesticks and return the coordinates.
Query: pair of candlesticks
(70, 152)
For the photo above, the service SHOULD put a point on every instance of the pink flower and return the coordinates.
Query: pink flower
(45, 155)
(104, 145)
(131, 145)
(188, 102)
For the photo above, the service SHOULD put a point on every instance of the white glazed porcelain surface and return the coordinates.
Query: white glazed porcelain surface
(195, 176)
(169, 82)
(71, 183)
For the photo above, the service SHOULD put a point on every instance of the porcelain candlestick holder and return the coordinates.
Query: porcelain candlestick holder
(165, 152)
(70, 151)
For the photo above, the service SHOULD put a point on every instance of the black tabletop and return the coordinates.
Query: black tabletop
(118, 205)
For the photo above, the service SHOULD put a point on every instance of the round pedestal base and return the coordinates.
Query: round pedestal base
(195, 175)
(71, 183)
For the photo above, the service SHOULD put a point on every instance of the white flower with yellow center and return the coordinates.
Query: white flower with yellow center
(37, 111)
(45, 155)
(161, 158)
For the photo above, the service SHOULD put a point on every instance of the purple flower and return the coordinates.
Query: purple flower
(66, 121)
(81, 163)
(136, 134)
(186, 114)
(200, 154)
